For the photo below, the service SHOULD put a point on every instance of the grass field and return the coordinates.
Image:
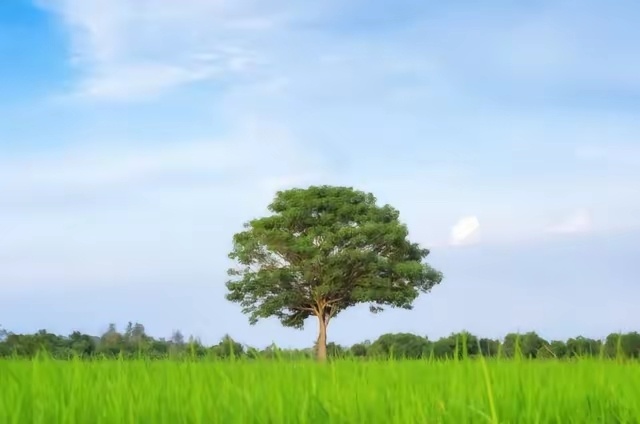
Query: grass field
(344, 391)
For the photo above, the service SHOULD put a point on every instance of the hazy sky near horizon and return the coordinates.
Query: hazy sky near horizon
(137, 137)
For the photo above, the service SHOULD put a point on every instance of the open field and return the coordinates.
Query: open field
(344, 391)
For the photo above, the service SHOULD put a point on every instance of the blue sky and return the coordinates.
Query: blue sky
(137, 137)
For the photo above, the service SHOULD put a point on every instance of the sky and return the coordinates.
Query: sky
(137, 137)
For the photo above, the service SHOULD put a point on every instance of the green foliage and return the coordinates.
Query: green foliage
(326, 246)
(488, 347)
(359, 350)
(400, 345)
(558, 348)
(625, 344)
(583, 346)
(227, 348)
(321, 251)
(532, 343)
(113, 344)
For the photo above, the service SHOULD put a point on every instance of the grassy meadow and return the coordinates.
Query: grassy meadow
(343, 391)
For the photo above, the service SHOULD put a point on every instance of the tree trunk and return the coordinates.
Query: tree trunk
(321, 345)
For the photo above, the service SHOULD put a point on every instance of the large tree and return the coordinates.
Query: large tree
(322, 250)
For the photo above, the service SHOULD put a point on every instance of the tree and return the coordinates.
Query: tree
(322, 250)
(489, 347)
(557, 349)
(81, 344)
(227, 347)
(512, 345)
(531, 344)
(631, 345)
(334, 350)
(583, 346)
(176, 344)
(444, 348)
(111, 342)
(177, 338)
(359, 350)
(623, 345)
(135, 339)
(465, 343)
(400, 345)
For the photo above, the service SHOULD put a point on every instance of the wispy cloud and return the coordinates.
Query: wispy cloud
(131, 50)
(137, 81)
(134, 50)
(231, 159)
(578, 222)
(466, 231)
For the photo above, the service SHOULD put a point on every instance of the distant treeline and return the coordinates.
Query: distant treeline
(134, 342)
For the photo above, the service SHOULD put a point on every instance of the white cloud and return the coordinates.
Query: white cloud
(131, 50)
(140, 80)
(465, 231)
(236, 158)
(578, 222)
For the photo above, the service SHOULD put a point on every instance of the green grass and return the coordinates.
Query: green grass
(344, 391)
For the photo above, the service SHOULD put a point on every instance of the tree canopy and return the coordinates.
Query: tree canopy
(322, 250)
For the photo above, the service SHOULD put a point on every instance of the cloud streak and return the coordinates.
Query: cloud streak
(136, 50)
(579, 222)
(235, 157)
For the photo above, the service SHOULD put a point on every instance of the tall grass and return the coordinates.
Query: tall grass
(45, 391)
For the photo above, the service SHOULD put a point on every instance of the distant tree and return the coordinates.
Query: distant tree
(583, 346)
(400, 345)
(444, 348)
(528, 345)
(82, 344)
(511, 345)
(358, 350)
(623, 345)
(177, 338)
(176, 345)
(159, 348)
(531, 344)
(128, 332)
(253, 353)
(465, 343)
(135, 339)
(227, 347)
(271, 351)
(489, 347)
(195, 348)
(556, 349)
(111, 342)
(631, 345)
(323, 250)
(53, 344)
(334, 350)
